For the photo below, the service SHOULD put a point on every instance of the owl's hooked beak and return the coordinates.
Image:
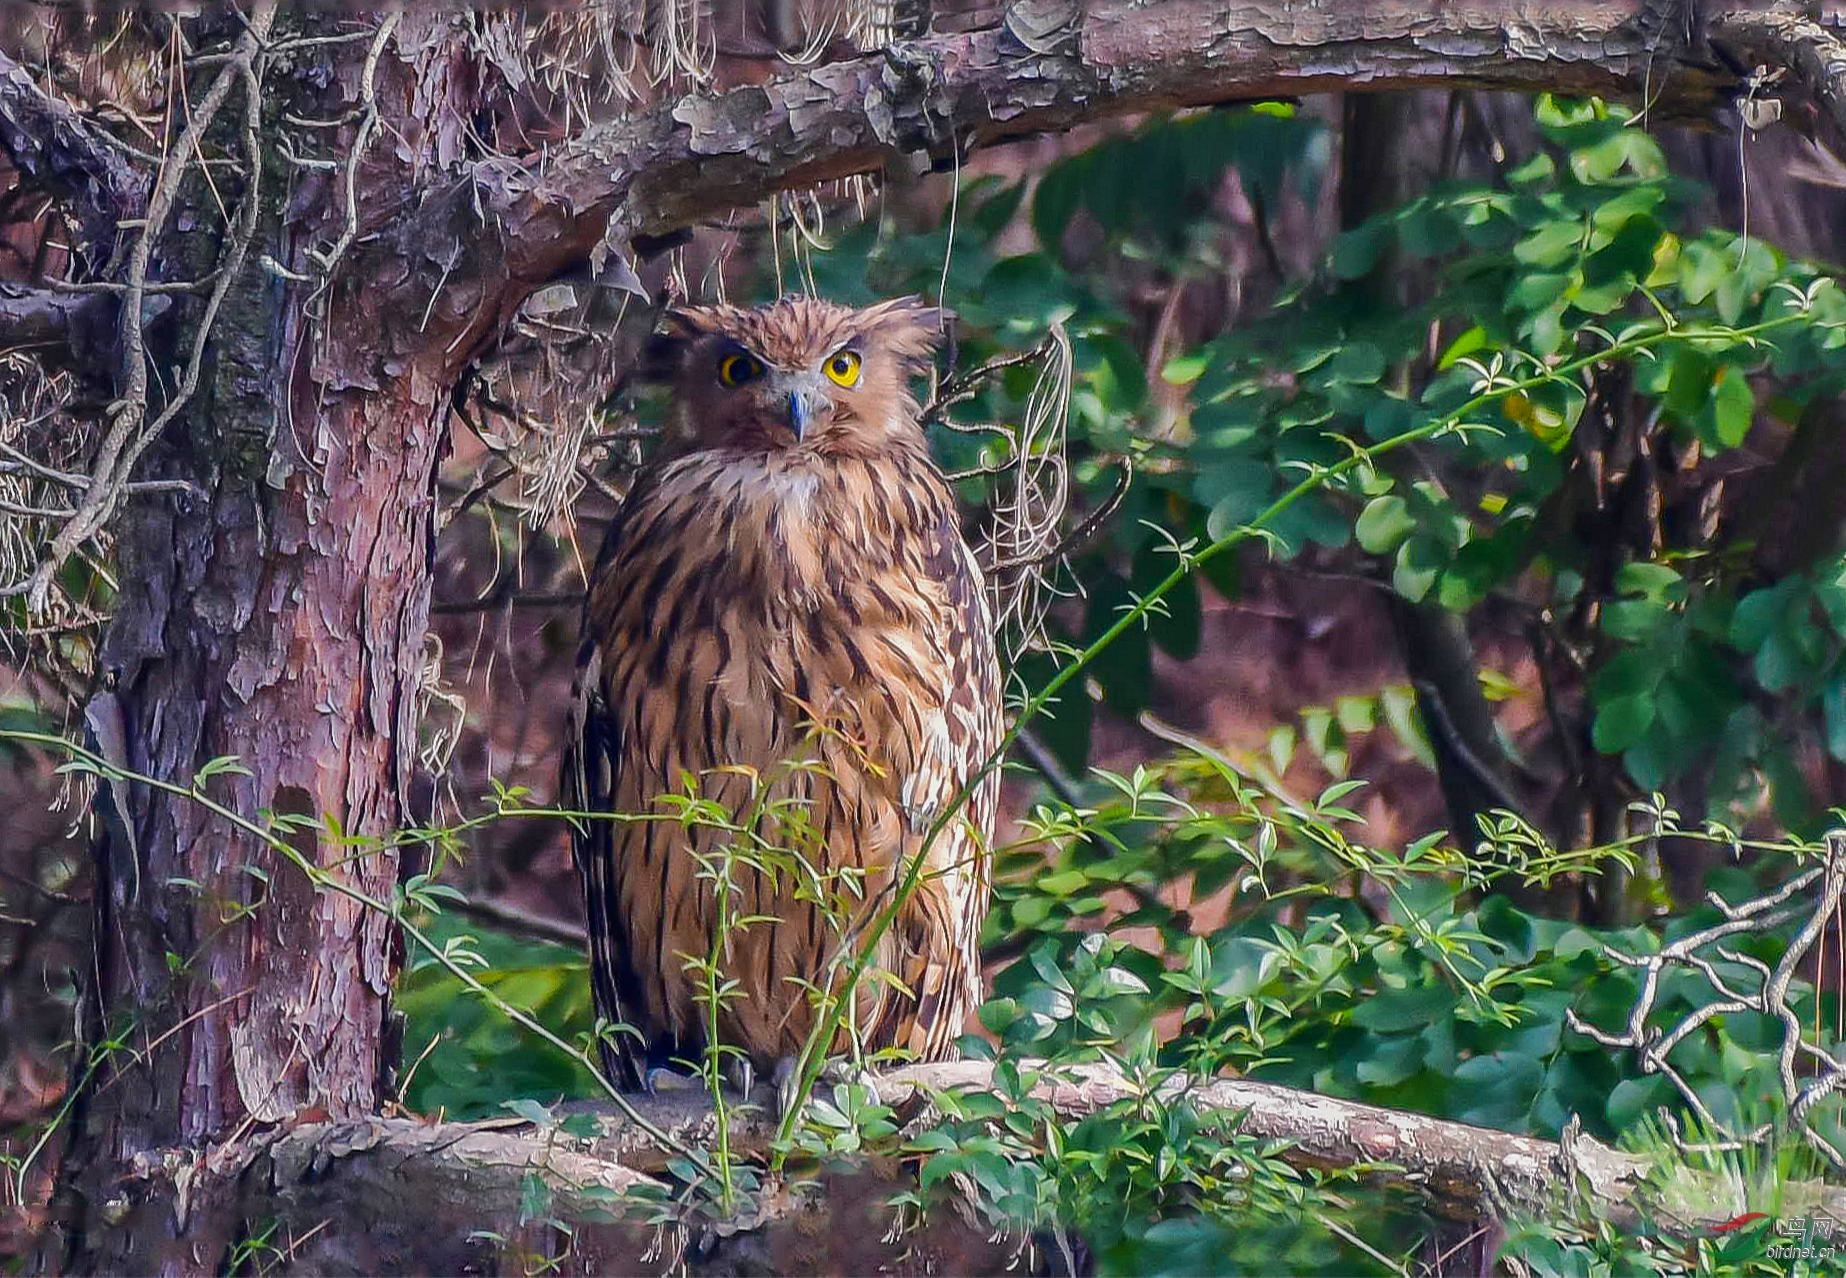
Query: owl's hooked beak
(799, 413)
(802, 405)
(796, 399)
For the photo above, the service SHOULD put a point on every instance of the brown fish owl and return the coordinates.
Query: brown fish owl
(785, 621)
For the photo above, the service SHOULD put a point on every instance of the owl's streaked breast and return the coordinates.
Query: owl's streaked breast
(741, 601)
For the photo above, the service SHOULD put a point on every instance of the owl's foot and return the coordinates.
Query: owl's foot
(739, 1076)
(660, 1079)
(783, 1080)
(832, 1073)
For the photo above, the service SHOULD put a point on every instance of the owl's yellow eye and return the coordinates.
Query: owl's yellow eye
(843, 368)
(739, 367)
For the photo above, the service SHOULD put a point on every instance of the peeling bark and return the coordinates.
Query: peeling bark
(1051, 65)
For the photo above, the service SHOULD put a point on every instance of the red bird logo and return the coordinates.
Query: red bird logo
(1738, 1222)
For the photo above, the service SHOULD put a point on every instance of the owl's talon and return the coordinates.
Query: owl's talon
(740, 1076)
(832, 1073)
(783, 1080)
(847, 1072)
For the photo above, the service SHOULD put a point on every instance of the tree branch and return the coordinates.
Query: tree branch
(1053, 64)
(65, 329)
(53, 145)
(404, 1191)
(1784, 36)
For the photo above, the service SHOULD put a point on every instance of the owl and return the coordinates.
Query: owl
(785, 625)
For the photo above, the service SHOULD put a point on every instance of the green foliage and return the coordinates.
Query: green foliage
(1342, 969)
(1693, 659)
(1414, 991)
(465, 1059)
(1149, 1184)
(1400, 978)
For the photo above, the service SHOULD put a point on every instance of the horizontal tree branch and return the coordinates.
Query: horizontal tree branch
(1787, 37)
(63, 328)
(515, 919)
(1053, 64)
(443, 1191)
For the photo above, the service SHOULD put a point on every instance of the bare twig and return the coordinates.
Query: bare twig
(367, 112)
(129, 432)
(1785, 36)
(1808, 1073)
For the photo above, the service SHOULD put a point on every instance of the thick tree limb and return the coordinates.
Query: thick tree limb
(358, 1191)
(53, 145)
(1052, 64)
(65, 329)
(1786, 37)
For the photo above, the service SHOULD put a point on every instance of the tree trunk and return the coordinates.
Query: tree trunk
(277, 617)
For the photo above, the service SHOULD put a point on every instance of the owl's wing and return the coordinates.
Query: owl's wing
(592, 749)
(941, 926)
(958, 739)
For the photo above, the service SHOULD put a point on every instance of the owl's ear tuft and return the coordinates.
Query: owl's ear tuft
(909, 328)
(689, 323)
(680, 327)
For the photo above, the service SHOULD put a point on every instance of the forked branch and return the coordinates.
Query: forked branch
(1740, 983)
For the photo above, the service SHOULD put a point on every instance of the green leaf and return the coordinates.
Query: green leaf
(1182, 369)
(1360, 363)
(1621, 722)
(1537, 291)
(1632, 620)
(1057, 198)
(530, 1110)
(1384, 524)
(1640, 578)
(1466, 344)
(1702, 267)
(1419, 561)
(1733, 406)
(1833, 715)
(1624, 148)
(1356, 252)
(1552, 244)
(1757, 615)
(1393, 1011)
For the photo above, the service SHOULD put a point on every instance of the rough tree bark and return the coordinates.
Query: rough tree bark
(404, 1194)
(277, 613)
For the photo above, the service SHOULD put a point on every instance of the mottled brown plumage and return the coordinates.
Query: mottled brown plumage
(786, 582)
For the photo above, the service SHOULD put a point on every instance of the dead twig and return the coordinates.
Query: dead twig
(129, 432)
(1740, 983)
(368, 124)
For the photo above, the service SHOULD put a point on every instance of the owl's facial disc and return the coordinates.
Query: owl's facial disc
(797, 401)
